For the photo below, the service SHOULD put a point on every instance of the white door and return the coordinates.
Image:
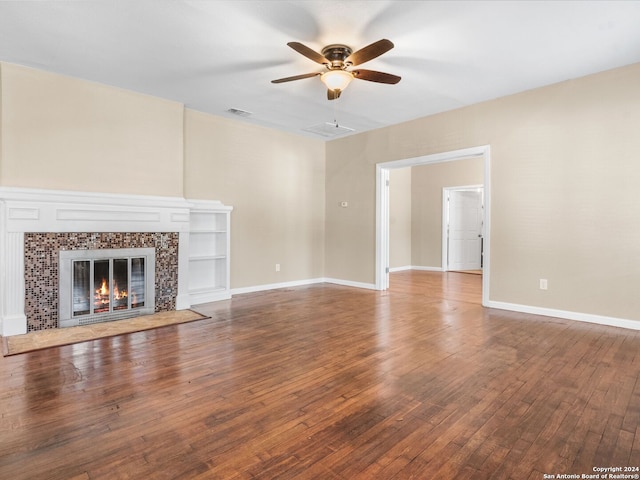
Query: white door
(465, 222)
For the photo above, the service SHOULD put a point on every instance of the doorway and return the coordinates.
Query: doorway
(382, 210)
(463, 228)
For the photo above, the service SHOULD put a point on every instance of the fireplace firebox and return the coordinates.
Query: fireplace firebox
(105, 285)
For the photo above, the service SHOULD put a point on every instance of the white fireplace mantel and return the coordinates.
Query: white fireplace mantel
(31, 210)
(27, 210)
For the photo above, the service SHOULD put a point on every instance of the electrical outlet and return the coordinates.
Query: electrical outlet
(543, 284)
(277, 267)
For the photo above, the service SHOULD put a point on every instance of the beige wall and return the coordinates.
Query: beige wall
(275, 182)
(427, 184)
(400, 218)
(564, 186)
(64, 133)
(350, 232)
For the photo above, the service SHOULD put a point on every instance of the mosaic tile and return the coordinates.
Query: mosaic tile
(41, 252)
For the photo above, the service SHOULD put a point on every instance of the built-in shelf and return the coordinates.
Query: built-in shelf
(209, 261)
(205, 290)
(206, 257)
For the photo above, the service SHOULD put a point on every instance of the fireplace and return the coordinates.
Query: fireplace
(105, 285)
(189, 239)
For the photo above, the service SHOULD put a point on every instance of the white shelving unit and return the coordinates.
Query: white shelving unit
(209, 260)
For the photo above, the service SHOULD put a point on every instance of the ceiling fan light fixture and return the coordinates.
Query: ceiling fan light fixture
(336, 79)
(337, 58)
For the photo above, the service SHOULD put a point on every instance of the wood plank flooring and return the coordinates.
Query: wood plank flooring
(330, 382)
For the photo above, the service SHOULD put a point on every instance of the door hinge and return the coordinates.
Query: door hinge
(387, 182)
(386, 270)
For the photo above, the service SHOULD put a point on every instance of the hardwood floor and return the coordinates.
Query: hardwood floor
(330, 382)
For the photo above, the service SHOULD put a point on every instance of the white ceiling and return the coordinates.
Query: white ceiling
(217, 55)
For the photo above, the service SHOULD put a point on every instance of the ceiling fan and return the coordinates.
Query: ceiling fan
(337, 58)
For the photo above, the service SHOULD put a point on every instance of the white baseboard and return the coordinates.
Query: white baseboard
(400, 269)
(199, 298)
(183, 302)
(567, 315)
(349, 283)
(300, 283)
(414, 267)
(13, 325)
(274, 286)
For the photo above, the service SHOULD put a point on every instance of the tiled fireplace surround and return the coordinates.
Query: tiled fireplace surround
(36, 224)
(41, 255)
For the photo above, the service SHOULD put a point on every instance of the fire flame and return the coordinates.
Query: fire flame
(117, 294)
(103, 290)
(102, 293)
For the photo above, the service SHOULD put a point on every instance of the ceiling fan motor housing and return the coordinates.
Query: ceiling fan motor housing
(336, 54)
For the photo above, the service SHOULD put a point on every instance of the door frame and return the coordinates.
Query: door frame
(446, 211)
(382, 209)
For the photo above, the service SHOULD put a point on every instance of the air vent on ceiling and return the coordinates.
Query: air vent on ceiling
(240, 113)
(328, 129)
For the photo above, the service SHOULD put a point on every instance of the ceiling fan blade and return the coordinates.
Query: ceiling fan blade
(333, 94)
(373, 76)
(295, 77)
(309, 53)
(370, 52)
